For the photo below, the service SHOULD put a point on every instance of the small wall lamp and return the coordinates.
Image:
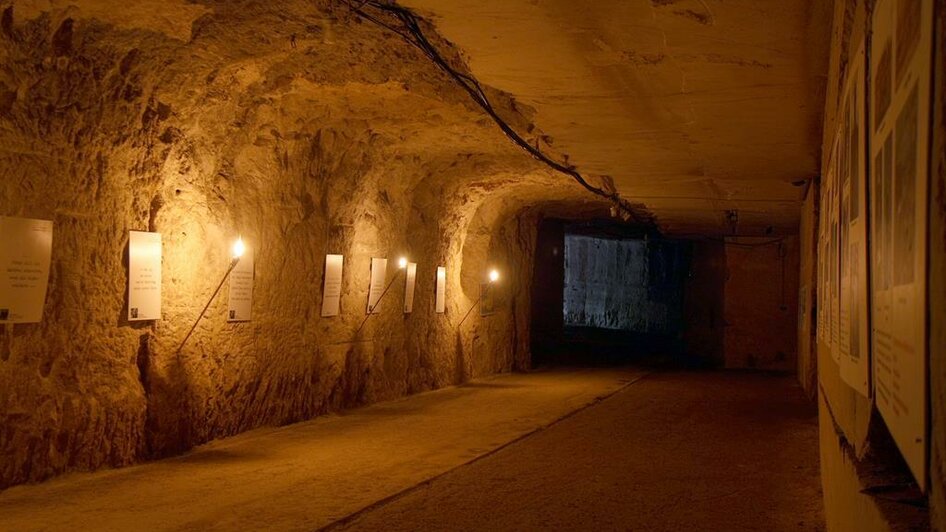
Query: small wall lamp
(239, 248)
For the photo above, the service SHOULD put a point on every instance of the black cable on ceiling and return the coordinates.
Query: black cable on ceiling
(407, 25)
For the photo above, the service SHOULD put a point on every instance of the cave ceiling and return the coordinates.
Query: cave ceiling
(693, 107)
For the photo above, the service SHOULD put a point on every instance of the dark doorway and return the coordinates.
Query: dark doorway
(607, 293)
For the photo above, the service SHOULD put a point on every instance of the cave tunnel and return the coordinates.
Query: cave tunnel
(455, 265)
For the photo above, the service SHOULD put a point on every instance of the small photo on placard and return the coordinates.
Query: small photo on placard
(332, 285)
(240, 305)
(25, 253)
(144, 276)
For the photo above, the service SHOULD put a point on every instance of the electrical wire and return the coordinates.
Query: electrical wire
(727, 242)
(408, 27)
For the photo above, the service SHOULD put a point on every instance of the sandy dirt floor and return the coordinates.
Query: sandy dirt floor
(673, 452)
(309, 475)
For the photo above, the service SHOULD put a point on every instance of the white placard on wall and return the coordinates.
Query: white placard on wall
(409, 287)
(854, 354)
(901, 60)
(441, 300)
(332, 285)
(821, 263)
(834, 276)
(379, 268)
(144, 276)
(25, 251)
(240, 307)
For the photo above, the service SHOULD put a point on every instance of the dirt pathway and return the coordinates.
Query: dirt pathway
(308, 475)
(674, 452)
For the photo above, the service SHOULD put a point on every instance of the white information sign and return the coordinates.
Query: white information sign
(822, 268)
(834, 292)
(409, 287)
(144, 276)
(441, 299)
(854, 359)
(332, 285)
(25, 251)
(240, 307)
(379, 268)
(901, 59)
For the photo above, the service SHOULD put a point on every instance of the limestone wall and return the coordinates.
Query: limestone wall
(704, 302)
(741, 300)
(292, 124)
(761, 303)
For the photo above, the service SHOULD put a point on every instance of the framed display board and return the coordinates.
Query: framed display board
(332, 285)
(409, 282)
(440, 301)
(25, 253)
(853, 338)
(240, 304)
(901, 55)
(379, 271)
(144, 276)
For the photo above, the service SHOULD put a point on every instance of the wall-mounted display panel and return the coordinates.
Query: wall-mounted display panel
(379, 269)
(144, 276)
(332, 285)
(25, 252)
(487, 299)
(409, 282)
(821, 283)
(440, 302)
(240, 305)
(853, 352)
(830, 308)
(901, 55)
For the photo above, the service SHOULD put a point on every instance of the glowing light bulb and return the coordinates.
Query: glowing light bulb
(239, 248)
(493, 276)
(402, 262)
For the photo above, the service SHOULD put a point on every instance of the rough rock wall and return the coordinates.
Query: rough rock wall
(704, 300)
(760, 303)
(291, 123)
(740, 302)
(548, 318)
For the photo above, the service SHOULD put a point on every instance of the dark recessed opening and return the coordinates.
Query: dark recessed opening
(609, 293)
